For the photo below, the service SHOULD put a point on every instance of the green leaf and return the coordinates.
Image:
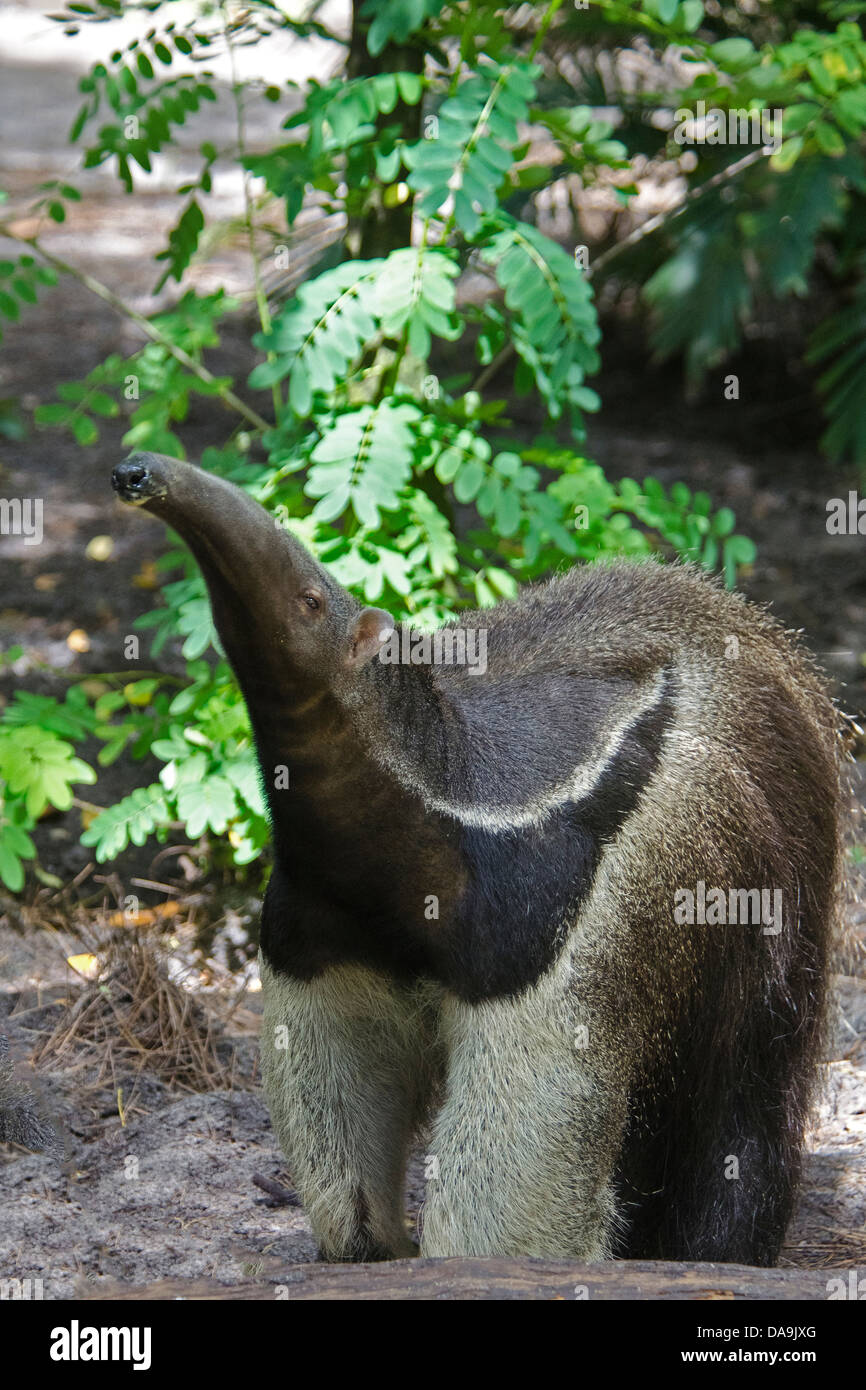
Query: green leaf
(52, 414)
(701, 295)
(820, 75)
(733, 54)
(468, 482)
(195, 622)
(321, 331)
(553, 319)
(11, 868)
(207, 804)
(42, 766)
(395, 20)
(839, 345)
(782, 234)
(799, 116)
(183, 242)
(244, 775)
(414, 291)
(363, 460)
(85, 430)
(786, 156)
(473, 130)
(829, 140)
(132, 819)
(103, 404)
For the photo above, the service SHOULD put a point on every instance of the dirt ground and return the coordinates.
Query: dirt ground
(146, 1180)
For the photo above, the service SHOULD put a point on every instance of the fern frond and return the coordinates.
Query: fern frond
(702, 293)
(320, 332)
(363, 461)
(783, 232)
(472, 139)
(554, 323)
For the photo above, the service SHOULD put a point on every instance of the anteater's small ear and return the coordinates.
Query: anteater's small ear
(370, 632)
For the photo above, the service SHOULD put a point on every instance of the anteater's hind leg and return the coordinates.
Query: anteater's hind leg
(346, 1061)
(690, 1196)
(711, 1159)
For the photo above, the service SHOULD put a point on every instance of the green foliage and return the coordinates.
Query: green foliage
(321, 332)
(130, 821)
(760, 231)
(183, 238)
(154, 378)
(363, 460)
(471, 143)
(552, 320)
(840, 345)
(19, 281)
(380, 434)
(394, 20)
(38, 769)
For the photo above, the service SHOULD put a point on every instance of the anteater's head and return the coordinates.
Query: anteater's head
(278, 612)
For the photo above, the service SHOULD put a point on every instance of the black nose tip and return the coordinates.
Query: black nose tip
(128, 474)
(134, 479)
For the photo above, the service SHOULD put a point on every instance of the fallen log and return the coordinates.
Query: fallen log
(480, 1279)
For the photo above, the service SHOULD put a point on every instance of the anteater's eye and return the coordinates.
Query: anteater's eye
(311, 601)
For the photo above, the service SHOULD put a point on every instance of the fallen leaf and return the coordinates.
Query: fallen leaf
(100, 548)
(85, 965)
(147, 577)
(145, 917)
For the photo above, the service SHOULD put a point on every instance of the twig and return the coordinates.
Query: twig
(661, 218)
(646, 229)
(280, 1196)
(543, 28)
(226, 395)
(249, 217)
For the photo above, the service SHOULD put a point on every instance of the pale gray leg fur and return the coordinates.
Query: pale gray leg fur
(525, 1144)
(347, 1062)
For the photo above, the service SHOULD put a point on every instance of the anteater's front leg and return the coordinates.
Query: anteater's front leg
(523, 1150)
(346, 1060)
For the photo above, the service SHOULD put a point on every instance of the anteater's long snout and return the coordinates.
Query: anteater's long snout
(142, 477)
(213, 516)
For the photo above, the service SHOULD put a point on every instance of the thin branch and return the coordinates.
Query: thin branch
(652, 224)
(662, 218)
(249, 217)
(226, 395)
(543, 28)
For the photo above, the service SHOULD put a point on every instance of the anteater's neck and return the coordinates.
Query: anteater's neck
(328, 755)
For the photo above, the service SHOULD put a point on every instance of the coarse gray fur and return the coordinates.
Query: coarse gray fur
(597, 1076)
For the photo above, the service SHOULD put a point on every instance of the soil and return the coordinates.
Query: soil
(145, 1180)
